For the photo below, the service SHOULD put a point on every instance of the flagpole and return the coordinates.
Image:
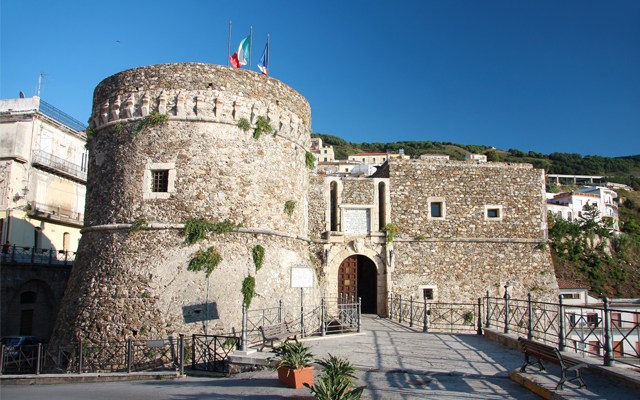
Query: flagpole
(229, 44)
(268, 54)
(250, 45)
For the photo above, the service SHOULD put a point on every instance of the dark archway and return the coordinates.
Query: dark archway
(358, 277)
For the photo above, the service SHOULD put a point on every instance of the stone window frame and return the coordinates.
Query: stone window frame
(500, 210)
(147, 193)
(344, 208)
(443, 208)
(434, 289)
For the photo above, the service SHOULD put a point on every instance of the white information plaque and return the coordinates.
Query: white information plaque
(356, 220)
(302, 276)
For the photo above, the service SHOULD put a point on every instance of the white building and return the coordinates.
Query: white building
(43, 171)
(585, 323)
(571, 205)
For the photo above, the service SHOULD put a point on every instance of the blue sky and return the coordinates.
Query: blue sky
(547, 76)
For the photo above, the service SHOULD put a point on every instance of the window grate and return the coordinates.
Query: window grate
(160, 181)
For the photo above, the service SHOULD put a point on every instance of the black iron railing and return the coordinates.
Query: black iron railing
(32, 255)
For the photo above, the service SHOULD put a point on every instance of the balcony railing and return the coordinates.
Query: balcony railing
(31, 255)
(60, 116)
(55, 213)
(59, 166)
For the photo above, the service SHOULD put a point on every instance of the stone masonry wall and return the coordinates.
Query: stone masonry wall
(466, 189)
(463, 254)
(135, 283)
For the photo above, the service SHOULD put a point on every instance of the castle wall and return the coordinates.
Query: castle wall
(464, 253)
(136, 283)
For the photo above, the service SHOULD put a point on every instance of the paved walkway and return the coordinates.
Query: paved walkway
(394, 362)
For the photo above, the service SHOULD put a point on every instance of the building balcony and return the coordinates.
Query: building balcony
(58, 166)
(54, 214)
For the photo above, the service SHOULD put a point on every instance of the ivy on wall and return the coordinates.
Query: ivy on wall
(205, 260)
(258, 256)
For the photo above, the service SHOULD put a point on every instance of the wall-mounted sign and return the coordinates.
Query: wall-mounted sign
(302, 276)
(356, 220)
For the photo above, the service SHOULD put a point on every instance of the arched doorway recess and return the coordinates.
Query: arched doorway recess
(358, 277)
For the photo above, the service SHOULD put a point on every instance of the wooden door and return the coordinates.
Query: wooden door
(348, 279)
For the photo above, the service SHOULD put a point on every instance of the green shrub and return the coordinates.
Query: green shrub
(205, 260)
(244, 124)
(138, 224)
(248, 290)
(258, 256)
(196, 229)
(262, 126)
(391, 230)
(289, 207)
(309, 160)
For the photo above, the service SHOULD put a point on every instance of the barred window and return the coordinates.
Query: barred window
(160, 181)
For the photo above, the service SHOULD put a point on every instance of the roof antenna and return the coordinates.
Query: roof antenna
(42, 74)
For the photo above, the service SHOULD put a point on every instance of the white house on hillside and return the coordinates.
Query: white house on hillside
(571, 205)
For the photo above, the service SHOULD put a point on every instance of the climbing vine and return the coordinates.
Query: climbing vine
(258, 256)
(262, 126)
(244, 124)
(196, 229)
(248, 290)
(309, 160)
(289, 207)
(153, 119)
(138, 224)
(391, 230)
(205, 260)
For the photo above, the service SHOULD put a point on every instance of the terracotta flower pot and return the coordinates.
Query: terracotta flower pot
(295, 378)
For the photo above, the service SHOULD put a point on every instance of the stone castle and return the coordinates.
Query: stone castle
(447, 230)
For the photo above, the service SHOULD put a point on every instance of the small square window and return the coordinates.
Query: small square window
(160, 181)
(493, 213)
(436, 209)
(427, 294)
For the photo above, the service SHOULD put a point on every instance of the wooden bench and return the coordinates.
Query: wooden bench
(277, 333)
(541, 351)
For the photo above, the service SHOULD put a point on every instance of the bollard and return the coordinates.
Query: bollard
(530, 322)
(562, 344)
(479, 330)
(608, 349)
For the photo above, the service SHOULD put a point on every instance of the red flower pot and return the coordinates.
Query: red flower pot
(295, 378)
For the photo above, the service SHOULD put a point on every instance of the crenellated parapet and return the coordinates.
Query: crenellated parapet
(202, 92)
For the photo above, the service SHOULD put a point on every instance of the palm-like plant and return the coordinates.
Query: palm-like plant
(336, 381)
(293, 355)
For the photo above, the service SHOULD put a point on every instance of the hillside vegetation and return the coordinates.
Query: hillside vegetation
(583, 251)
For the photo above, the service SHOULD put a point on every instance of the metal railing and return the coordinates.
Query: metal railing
(32, 255)
(103, 357)
(60, 165)
(56, 213)
(436, 316)
(589, 331)
(211, 352)
(60, 116)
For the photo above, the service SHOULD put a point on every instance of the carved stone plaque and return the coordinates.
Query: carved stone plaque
(356, 220)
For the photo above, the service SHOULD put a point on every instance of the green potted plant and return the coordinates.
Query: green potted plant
(336, 381)
(293, 362)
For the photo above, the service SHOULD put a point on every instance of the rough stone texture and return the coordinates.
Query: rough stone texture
(466, 188)
(136, 284)
(357, 191)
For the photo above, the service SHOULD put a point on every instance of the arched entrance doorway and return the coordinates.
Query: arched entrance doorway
(358, 277)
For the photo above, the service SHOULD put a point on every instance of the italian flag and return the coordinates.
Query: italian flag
(239, 58)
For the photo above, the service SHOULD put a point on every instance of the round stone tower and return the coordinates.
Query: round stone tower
(171, 144)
